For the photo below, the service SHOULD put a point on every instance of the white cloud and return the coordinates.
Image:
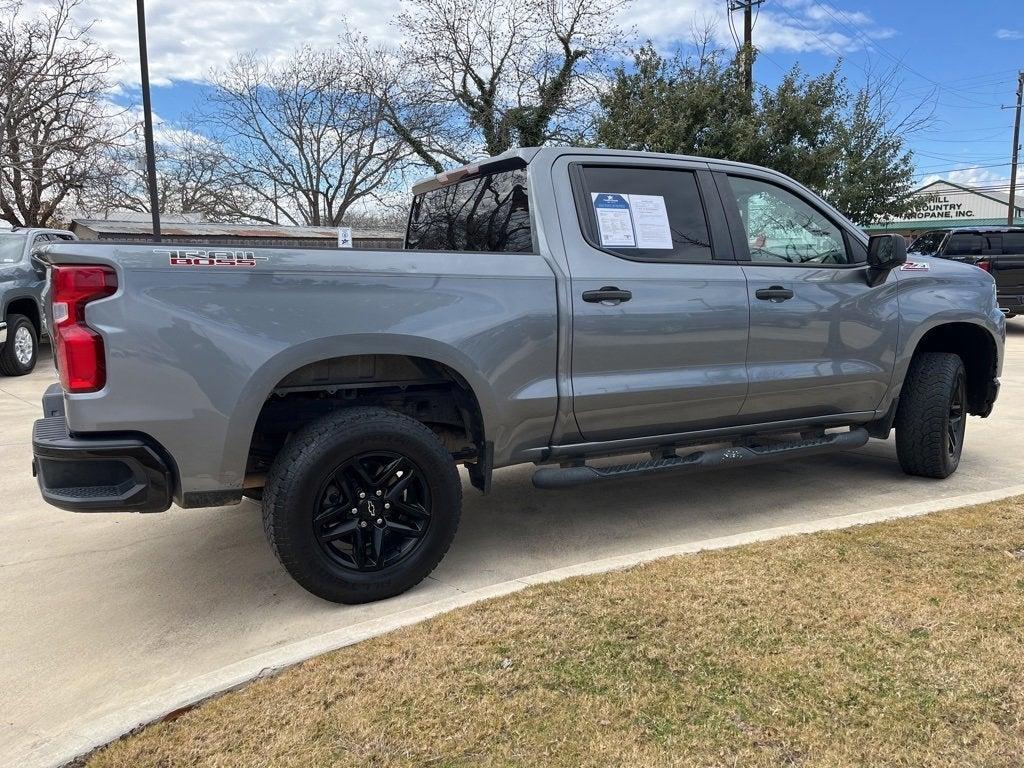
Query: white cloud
(188, 37)
(971, 177)
(794, 26)
(1010, 34)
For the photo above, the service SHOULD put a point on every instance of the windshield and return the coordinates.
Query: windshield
(11, 248)
(928, 243)
(486, 213)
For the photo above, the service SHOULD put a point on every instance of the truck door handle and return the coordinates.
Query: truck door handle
(776, 293)
(607, 293)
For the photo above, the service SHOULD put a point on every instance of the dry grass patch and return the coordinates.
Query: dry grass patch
(899, 644)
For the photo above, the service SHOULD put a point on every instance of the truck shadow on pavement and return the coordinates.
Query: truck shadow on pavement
(518, 530)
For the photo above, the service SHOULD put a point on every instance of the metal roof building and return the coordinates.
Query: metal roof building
(946, 204)
(180, 230)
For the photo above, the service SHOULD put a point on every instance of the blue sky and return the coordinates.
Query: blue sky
(966, 53)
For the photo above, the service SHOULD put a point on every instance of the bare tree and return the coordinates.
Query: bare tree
(873, 176)
(194, 175)
(492, 74)
(302, 137)
(55, 119)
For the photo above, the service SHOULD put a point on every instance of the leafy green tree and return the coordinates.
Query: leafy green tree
(874, 175)
(846, 146)
(687, 106)
(799, 125)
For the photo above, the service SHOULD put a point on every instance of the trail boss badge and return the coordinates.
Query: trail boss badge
(200, 258)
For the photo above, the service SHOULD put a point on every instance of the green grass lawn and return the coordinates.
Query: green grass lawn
(898, 644)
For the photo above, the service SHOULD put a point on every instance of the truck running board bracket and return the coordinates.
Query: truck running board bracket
(557, 478)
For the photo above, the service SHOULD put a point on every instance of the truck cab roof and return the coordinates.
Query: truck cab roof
(982, 230)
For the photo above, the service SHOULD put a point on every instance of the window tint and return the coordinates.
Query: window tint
(858, 251)
(1013, 243)
(486, 213)
(928, 243)
(11, 248)
(654, 214)
(964, 244)
(783, 229)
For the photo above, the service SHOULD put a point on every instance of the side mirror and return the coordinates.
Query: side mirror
(886, 252)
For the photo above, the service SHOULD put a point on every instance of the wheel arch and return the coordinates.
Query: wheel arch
(979, 350)
(427, 352)
(28, 306)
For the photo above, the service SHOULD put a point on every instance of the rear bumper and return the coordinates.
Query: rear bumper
(96, 473)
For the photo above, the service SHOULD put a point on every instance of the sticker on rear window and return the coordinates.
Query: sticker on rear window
(614, 219)
(632, 221)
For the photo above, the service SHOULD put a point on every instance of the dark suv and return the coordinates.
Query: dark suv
(997, 250)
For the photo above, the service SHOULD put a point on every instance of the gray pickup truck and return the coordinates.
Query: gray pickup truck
(21, 286)
(552, 306)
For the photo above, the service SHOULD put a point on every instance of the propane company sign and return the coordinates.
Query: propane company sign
(943, 200)
(944, 206)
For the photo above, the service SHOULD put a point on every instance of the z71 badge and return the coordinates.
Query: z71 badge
(915, 266)
(202, 258)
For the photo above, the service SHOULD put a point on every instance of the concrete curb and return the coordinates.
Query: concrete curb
(81, 738)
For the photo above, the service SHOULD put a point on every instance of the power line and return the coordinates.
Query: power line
(974, 189)
(747, 6)
(934, 171)
(1016, 146)
(954, 158)
(850, 25)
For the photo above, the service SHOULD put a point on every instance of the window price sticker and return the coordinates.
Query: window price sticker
(632, 221)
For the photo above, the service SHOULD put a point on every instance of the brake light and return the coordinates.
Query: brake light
(81, 360)
(985, 265)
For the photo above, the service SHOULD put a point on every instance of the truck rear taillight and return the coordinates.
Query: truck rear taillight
(984, 264)
(80, 357)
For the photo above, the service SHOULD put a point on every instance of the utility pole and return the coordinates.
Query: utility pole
(1016, 152)
(147, 121)
(747, 6)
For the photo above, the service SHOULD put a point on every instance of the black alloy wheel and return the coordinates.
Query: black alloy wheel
(931, 417)
(956, 421)
(373, 511)
(361, 504)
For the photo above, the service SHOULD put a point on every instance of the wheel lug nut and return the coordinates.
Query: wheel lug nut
(387, 505)
(380, 493)
(362, 524)
(380, 521)
(362, 495)
(355, 511)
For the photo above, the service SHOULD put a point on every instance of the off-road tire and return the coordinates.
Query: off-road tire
(924, 414)
(9, 363)
(298, 472)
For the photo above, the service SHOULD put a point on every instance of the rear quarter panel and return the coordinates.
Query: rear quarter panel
(193, 352)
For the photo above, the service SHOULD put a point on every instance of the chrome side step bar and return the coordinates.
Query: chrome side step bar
(557, 478)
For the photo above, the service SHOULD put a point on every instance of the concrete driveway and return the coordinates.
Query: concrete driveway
(100, 612)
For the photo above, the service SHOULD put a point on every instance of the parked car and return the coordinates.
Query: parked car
(22, 321)
(552, 306)
(997, 250)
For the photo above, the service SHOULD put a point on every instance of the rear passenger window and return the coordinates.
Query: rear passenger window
(1013, 243)
(483, 213)
(651, 214)
(964, 244)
